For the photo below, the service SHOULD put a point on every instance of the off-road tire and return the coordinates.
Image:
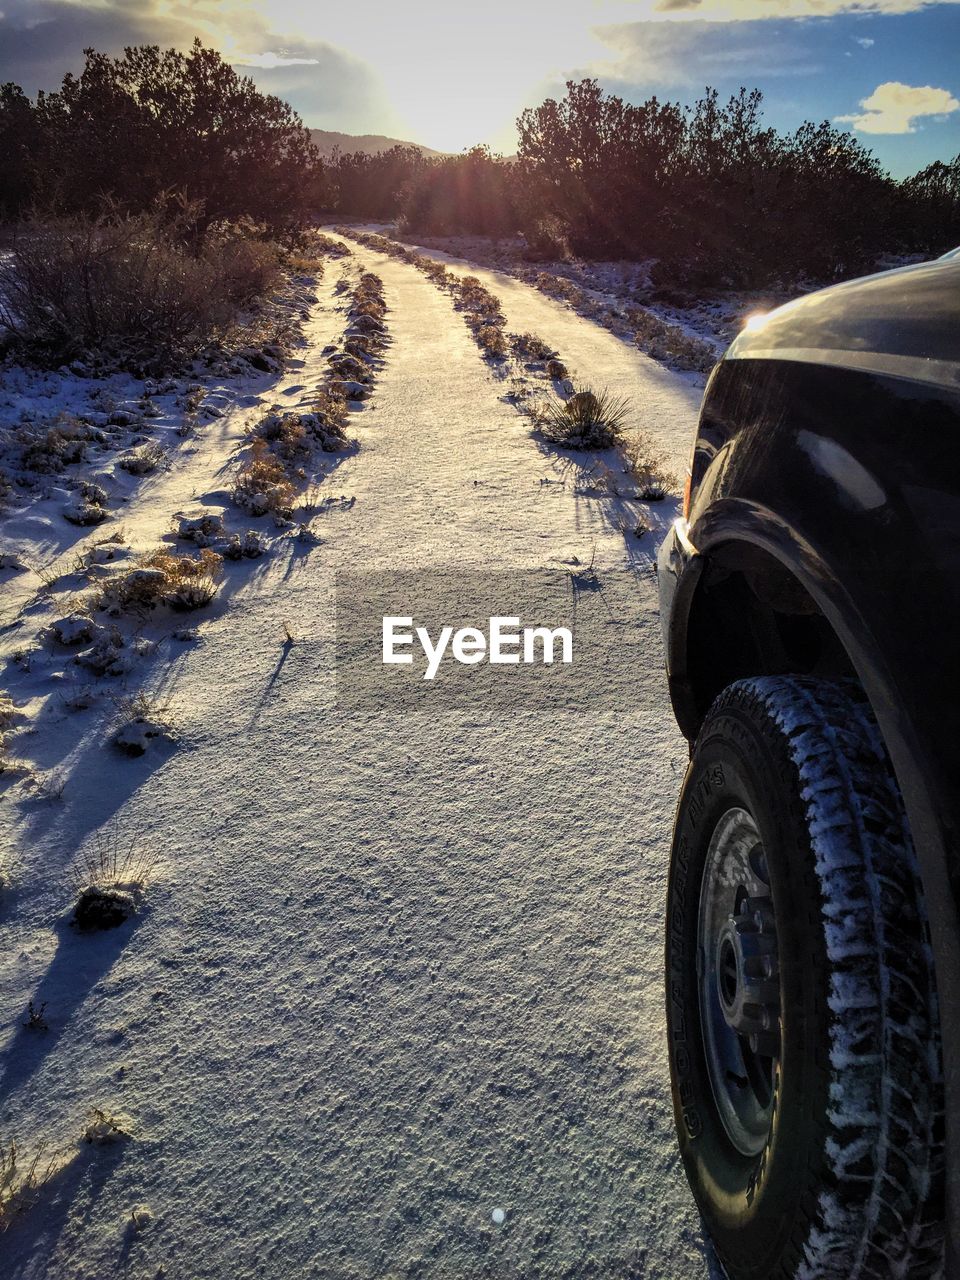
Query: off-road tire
(849, 1185)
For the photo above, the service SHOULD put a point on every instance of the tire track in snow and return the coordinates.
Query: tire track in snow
(665, 403)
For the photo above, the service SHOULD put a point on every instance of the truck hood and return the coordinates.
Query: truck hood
(902, 323)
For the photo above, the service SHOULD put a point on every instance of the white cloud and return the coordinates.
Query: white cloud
(894, 108)
(750, 10)
(865, 42)
(270, 60)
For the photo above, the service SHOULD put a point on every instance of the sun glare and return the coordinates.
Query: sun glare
(453, 79)
(756, 321)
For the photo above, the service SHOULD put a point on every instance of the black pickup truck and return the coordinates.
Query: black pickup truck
(810, 599)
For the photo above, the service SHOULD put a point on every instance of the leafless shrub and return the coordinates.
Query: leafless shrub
(645, 465)
(491, 341)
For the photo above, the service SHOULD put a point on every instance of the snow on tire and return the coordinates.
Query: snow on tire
(802, 1009)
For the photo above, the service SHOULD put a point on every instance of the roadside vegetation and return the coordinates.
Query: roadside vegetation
(140, 235)
(712, 196)
(134, 288)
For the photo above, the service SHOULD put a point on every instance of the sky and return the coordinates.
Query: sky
(449, 74)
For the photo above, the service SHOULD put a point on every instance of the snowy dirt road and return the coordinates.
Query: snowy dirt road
(400, 969)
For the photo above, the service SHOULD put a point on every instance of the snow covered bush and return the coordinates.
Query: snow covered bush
(558, 287)
(327, 421)
(477, 300)
(88, 507)
(491, 341)
(347, 365)
(201, 530)
(528, 346)
(362, 347)
(588, 420)
(73, 629)
(329, 247)
(49, 449)
(135, 736)
(435, 270)
(483, 315)
(669, 343)
(105, 1127)
(285, 434)
(262, 486)
(368, 306)
(142, 721)
(108, 654)
(250, 547)
(164, 578)
(143, 460)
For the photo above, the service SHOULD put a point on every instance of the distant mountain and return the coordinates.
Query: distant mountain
(327, 141)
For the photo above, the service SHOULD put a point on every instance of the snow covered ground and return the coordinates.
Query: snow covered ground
(394, 1004)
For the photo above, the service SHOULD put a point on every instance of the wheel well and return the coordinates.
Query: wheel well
(750, 616)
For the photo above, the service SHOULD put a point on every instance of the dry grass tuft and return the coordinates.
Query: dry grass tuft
(115, 858)
(109, 879)
(263, 486)
(20, 1183)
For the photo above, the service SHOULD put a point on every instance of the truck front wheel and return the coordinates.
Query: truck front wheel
(802, 1015)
